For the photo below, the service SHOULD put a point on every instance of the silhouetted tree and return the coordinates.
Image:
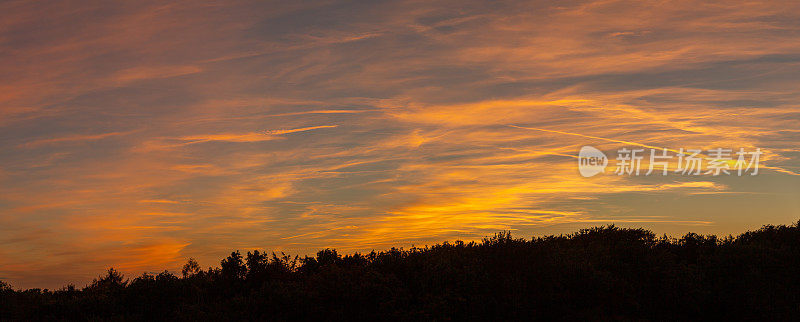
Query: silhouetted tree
(191, 268)
(233, 267)
(112, 280)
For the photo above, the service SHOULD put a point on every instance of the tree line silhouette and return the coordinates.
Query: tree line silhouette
(598, 273)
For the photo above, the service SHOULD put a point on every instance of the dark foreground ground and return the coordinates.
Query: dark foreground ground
(605, 273)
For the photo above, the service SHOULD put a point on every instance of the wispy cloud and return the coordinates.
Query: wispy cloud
(74, 138)
(302, 129)
(227, 137)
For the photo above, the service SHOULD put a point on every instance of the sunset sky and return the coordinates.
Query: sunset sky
(138, 134)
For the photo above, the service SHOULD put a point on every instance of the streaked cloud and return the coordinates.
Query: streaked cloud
(302, 129)
(74, 138)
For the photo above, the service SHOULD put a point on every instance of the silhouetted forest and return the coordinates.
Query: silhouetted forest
(598, 273)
